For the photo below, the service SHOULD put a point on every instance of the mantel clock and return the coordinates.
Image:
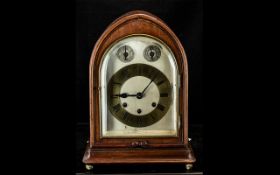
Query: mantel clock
(138, 95)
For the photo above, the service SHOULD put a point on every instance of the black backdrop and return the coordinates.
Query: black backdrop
(184, 17)
(38, 83)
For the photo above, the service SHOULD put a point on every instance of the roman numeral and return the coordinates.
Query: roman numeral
(155, 76)
(115, 83)
(163, 94)
(159, 83)
(140, 70)
(160, 107)
(125, 116)
(153, 118)
(139, 121)
(149, 72)
(124, 73)
(117, 107)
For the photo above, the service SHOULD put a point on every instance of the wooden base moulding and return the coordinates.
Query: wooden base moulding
(138, 155)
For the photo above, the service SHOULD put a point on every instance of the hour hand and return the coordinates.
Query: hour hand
(124, 95)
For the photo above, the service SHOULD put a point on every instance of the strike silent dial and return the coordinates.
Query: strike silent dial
(125, 53)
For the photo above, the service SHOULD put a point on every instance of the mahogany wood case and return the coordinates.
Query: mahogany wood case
(137, 150)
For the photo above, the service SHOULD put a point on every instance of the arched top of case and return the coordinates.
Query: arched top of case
(139, 22)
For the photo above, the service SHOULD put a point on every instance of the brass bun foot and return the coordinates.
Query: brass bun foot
(89, 167)
(189, 166)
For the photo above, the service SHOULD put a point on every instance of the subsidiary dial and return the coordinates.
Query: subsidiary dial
(152, 53)
(125, 53)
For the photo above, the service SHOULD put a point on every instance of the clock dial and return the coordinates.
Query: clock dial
(139, 95)
(152, 53)
(139, 89)
(125, 53)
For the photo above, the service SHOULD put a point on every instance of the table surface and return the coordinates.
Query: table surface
(149, 169)
(186, 173)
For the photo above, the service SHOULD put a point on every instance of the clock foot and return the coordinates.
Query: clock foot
(89, 167)
(189, 166)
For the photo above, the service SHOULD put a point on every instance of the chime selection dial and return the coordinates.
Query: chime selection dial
(152, 53)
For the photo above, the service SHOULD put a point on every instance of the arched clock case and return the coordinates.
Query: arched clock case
(138, 95)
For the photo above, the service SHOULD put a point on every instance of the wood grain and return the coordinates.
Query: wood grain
(118, 150)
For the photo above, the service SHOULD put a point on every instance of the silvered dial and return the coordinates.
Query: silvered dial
(139, 89)
(152, 53)
(125, 53)
(139, 95)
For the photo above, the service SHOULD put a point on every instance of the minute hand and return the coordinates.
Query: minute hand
(147, 86)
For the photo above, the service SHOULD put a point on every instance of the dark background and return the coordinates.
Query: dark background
(47, 47)
(184, 17)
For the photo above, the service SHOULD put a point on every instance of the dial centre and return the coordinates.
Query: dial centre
(143, 101)
(139, 95)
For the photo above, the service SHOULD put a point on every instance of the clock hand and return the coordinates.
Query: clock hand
(125, 54)
(139, 95)
(124, 95)
(148, 85)
(152, 55)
